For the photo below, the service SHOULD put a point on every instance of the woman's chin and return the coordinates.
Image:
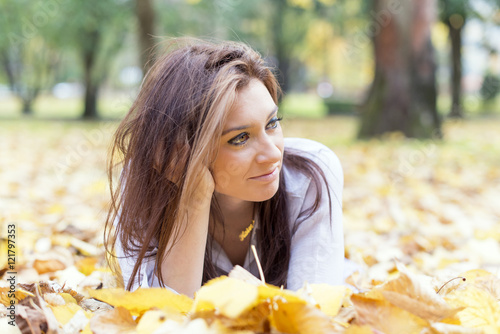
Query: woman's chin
(250, 193)
(265, 194)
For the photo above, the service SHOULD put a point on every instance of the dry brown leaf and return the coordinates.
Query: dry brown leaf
(30, 320)
(416, 296)
(385, 317)
(48, 266)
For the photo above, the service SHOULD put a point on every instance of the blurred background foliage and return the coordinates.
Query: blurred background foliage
(398, 65)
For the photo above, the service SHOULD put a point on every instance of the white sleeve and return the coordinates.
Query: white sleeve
(317, 248)
(127, 264)
(146, 277)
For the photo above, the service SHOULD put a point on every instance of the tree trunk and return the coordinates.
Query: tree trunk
(15, 85)
(91, 84)
(281, 52)
(146, 18)
(456, 77)
(27, 107)
(403, 93)
(90, 106)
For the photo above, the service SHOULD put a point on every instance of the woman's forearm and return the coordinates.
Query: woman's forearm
(182, 267)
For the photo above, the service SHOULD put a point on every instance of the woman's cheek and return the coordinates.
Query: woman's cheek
(222, 179)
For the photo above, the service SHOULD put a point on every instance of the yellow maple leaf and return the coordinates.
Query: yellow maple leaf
(355, 329)
(141, 300)
(87, 265)
(64, 313)
(228, 296)
(472, 276)
(269, 292)
(481, 309)
(150, 321)
(297, 317)
(328, 297)
(20, 294)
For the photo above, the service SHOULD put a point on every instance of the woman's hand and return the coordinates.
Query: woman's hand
(204, 190)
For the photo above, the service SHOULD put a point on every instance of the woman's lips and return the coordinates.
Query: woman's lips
(267, 177)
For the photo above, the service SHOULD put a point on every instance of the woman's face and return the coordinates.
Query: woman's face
(251, 147)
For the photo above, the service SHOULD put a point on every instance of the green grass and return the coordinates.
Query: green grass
(49, 107)
(303, 105)
(294, 105)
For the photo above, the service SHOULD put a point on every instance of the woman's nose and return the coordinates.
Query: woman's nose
(270, 149)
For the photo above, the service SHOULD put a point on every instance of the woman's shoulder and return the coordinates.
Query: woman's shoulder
(318, 153)
(315, 151)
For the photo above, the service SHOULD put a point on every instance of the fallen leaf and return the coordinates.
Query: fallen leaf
(416, 296)
(385, 317)
(48, 266)
(481, 309)
(299, 318)
(228, 296)
(87, 265)
(141, 300)
(329, 298)
(150, 321)
(116, 321)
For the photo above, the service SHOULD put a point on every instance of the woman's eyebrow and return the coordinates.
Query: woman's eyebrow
(243, 127)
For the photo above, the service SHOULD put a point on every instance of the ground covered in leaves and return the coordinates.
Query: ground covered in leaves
(416, 215)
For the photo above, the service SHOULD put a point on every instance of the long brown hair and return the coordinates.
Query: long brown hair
(171, 131)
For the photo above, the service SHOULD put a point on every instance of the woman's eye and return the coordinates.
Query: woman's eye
(273, 124)
(239, 139)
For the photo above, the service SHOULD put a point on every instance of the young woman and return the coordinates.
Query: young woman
(207, 173)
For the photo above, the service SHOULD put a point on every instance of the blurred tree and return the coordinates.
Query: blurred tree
(281, 47)
(26, 56)
(146, 18)
(96, 30)
(272, 27)
(490, 88)
(454, 14)
(289, 23)
(403, 93)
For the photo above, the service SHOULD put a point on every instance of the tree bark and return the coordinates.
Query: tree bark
(25, 94)
(91, 84)
(90, 102)
(27, 107)
(403, 93)
(281, 52)
(146, 18)
(456, 76)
